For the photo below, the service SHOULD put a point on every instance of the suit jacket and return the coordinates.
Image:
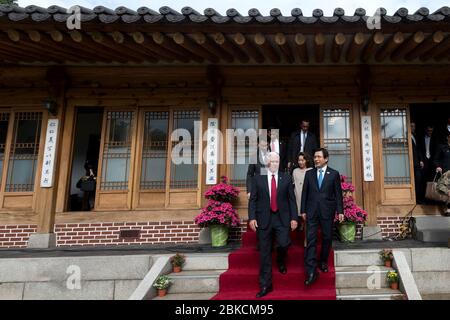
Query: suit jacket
(295, 144)
(417, 154)
(442, 157)
(259, 204)
(254, 169)
(283, 153)
(423, 148)
(325, 201)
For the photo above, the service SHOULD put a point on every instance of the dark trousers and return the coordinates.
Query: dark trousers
(265, 248)
(326, 226)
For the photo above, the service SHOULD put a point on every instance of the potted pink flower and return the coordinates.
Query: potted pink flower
(352, 213)
(219, 214)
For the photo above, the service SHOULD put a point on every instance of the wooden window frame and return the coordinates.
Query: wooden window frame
(350, 108)
(394, 187)
(17, 199)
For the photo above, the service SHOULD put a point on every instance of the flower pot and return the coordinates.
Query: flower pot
(388, 263)
(347, 231)
(394, 285)
(176, 269)
(219, 235)
(162, 292)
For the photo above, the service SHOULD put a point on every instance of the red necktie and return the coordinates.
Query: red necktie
(273, 195)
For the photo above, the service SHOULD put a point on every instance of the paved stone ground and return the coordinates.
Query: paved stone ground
(382, 244)
(196, 248)
(115, 250)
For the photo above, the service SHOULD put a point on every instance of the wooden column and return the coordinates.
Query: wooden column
(46, 197)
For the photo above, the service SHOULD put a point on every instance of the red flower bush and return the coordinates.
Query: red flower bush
(217, 212)
(222, 192)
(352, 213)
(219, 209)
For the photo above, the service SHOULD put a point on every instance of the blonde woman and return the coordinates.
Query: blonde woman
(304, 164)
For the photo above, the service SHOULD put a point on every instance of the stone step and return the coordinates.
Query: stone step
(357, 277)
(432, 222)
(367, 294)
(187, 296)
(347, 258)
(199, 281)
(211, 261)
(433, 235)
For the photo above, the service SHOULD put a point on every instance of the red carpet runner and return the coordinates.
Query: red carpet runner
(240, 281)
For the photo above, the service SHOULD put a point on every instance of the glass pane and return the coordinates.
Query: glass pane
(4, 121)
(185, 175)
(245, 119)
(24, 151)
(394, 134)
(117, 151)
(336, 127)
(154, 153)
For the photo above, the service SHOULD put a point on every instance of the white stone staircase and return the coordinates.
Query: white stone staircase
(433, 229)
(199, 279)
(353, 269)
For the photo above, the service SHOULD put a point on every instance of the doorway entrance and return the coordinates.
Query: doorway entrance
(429, 118)
(85, 156)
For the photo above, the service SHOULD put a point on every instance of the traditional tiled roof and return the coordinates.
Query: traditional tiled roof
(189, 15)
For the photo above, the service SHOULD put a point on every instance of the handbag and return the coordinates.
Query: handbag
(432, 193)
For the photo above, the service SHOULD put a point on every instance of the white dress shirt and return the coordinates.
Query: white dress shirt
(427, 146)
(269, 180)
(277, 146)
(303, 136)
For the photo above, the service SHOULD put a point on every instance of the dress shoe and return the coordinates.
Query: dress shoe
(312, 278)
(323, 267)
(282, 268)
(264, 291)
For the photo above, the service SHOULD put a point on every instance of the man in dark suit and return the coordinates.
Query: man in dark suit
(442, 162)
(256, 169)
(321, 200)
(301, 141)
(428, 146)
(278, 146)
(418, 164)
(272, 210)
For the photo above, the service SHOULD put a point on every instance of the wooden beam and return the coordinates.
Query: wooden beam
(437, 50)
(319, 47)
(66, 41)
(109, 43)
(301, 46)
(46, 42)
(169, 44)
(396, 40)
(431, 42)
(226, 44)
(355, 46)
(206, 42)
(338, 44)
(88, 43)
(126, 41)
(248, 47)
(413, 41)
(16, 50)
(267, 48)
(148, 43)
(372, 45)
(190, 45)
(282, 42)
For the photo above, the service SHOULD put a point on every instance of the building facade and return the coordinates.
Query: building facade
(122, 83)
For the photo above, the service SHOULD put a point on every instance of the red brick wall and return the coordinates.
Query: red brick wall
(389, 225)
(107, 233)
(15, 236)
